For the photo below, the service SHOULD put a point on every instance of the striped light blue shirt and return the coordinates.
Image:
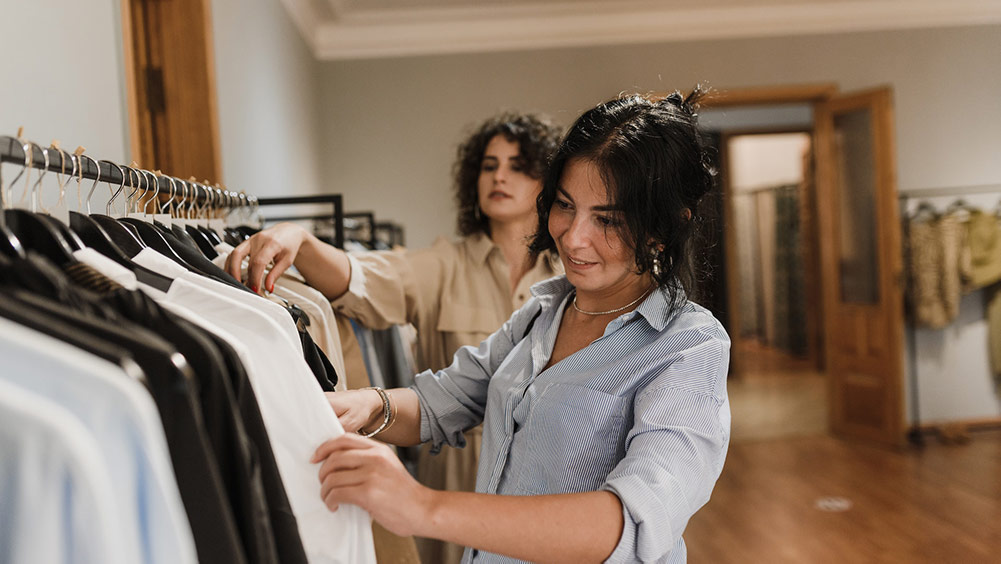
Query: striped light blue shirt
(641, 412)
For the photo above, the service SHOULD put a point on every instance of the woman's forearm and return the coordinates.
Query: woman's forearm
(582, 527)
(324, 267)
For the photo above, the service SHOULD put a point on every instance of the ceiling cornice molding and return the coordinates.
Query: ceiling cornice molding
(429, 31)
(304, 16)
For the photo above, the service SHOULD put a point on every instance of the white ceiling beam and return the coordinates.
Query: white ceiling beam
(415, 31)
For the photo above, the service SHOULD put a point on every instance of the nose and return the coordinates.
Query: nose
(501, 174)
(577, 234)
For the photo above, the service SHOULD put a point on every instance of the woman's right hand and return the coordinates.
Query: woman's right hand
(357, 409)
(279, 245)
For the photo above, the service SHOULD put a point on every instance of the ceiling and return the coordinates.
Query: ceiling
(358, 29)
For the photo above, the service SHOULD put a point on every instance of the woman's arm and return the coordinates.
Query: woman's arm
(324, 267)
(581, 527)
(362, 410)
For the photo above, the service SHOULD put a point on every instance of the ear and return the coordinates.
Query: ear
(654, 246)
(686, 214)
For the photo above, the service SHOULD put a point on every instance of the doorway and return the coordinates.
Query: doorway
(777, 386)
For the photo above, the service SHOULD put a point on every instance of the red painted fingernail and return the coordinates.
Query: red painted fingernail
(254, 288)
(271, 288)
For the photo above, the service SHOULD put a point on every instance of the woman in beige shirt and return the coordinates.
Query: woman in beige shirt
(455, 293)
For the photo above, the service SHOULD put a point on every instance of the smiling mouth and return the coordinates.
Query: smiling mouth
(578, 262)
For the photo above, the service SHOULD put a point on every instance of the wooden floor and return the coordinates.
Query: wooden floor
(941, 503)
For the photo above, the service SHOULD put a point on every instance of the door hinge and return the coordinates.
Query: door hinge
(156, 101)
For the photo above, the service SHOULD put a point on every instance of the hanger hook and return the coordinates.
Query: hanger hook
(96, 180)
(181, 209)
(156, 190)
(41, 175)
(26, 149)
(173, 193)
(129, 206)
(121, 170)
(59, 175)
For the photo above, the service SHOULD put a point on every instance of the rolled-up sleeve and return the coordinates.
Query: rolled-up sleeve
(674, 453)
(454, 399)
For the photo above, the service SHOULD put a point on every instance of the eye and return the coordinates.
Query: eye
(488, 167)
(562, 204)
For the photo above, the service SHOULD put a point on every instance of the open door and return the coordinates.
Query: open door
(861, 264)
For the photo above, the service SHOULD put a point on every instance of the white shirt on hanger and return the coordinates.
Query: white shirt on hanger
(294, 409)
(120, 413)
(56, 497)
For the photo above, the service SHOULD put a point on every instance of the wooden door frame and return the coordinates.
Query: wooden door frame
(891, 264)
(811, 272)
(141, 143)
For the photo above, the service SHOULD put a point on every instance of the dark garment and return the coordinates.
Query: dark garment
(20, 313)
(318, 362)
(235, 455)
(35, 283)
(194, 257)
(283, 521)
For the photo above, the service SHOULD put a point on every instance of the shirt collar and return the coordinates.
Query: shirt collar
(480, 246)
(656, 308)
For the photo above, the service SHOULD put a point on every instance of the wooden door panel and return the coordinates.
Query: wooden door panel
(860, 259)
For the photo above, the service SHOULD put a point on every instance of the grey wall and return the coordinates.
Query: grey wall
(62, 75)
(390, 127)
(269, 107)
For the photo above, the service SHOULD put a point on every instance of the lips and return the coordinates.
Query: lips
(580, 263)
(497, 195)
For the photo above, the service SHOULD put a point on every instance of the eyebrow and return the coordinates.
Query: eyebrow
(595, 208)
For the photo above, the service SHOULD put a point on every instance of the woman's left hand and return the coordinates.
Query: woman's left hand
(368, 474)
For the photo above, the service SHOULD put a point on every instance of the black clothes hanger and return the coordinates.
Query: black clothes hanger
(33, 232)
(201, 240)
(120, 234)
(9, 244)
(38, 235)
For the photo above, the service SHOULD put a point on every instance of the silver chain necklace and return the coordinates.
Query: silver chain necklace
(616, 310)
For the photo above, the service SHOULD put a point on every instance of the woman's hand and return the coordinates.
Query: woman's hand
(279, 244)
(357, 409)
(368, 474)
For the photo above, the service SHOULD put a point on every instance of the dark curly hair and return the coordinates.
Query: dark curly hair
(656, 165)
(537, 138)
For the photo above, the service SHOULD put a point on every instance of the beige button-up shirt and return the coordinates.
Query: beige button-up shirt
(455, 293)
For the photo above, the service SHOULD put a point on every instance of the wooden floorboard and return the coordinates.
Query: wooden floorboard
(940, 503)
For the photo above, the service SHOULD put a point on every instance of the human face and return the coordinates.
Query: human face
(506, 192)
(586, 229)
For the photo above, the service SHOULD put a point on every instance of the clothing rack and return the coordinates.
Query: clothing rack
(336, 216)
(915, 434)
(394, 233)
(51, 159)
(368, 218)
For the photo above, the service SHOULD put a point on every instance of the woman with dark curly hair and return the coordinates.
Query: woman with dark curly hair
(603, 399)
(455, 293)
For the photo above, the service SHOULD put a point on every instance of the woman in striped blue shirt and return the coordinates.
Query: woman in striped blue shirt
(606, 419)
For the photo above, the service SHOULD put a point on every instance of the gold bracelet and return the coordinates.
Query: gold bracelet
(392, 420)
(387, 411)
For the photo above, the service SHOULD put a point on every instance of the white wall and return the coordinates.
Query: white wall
(62, 75)
(390, 128)
(761, 161)
(269, 106)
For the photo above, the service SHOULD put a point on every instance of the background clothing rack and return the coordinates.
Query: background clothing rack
(336, 216)
(367, 218)
(915, 434)
(394, 233)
